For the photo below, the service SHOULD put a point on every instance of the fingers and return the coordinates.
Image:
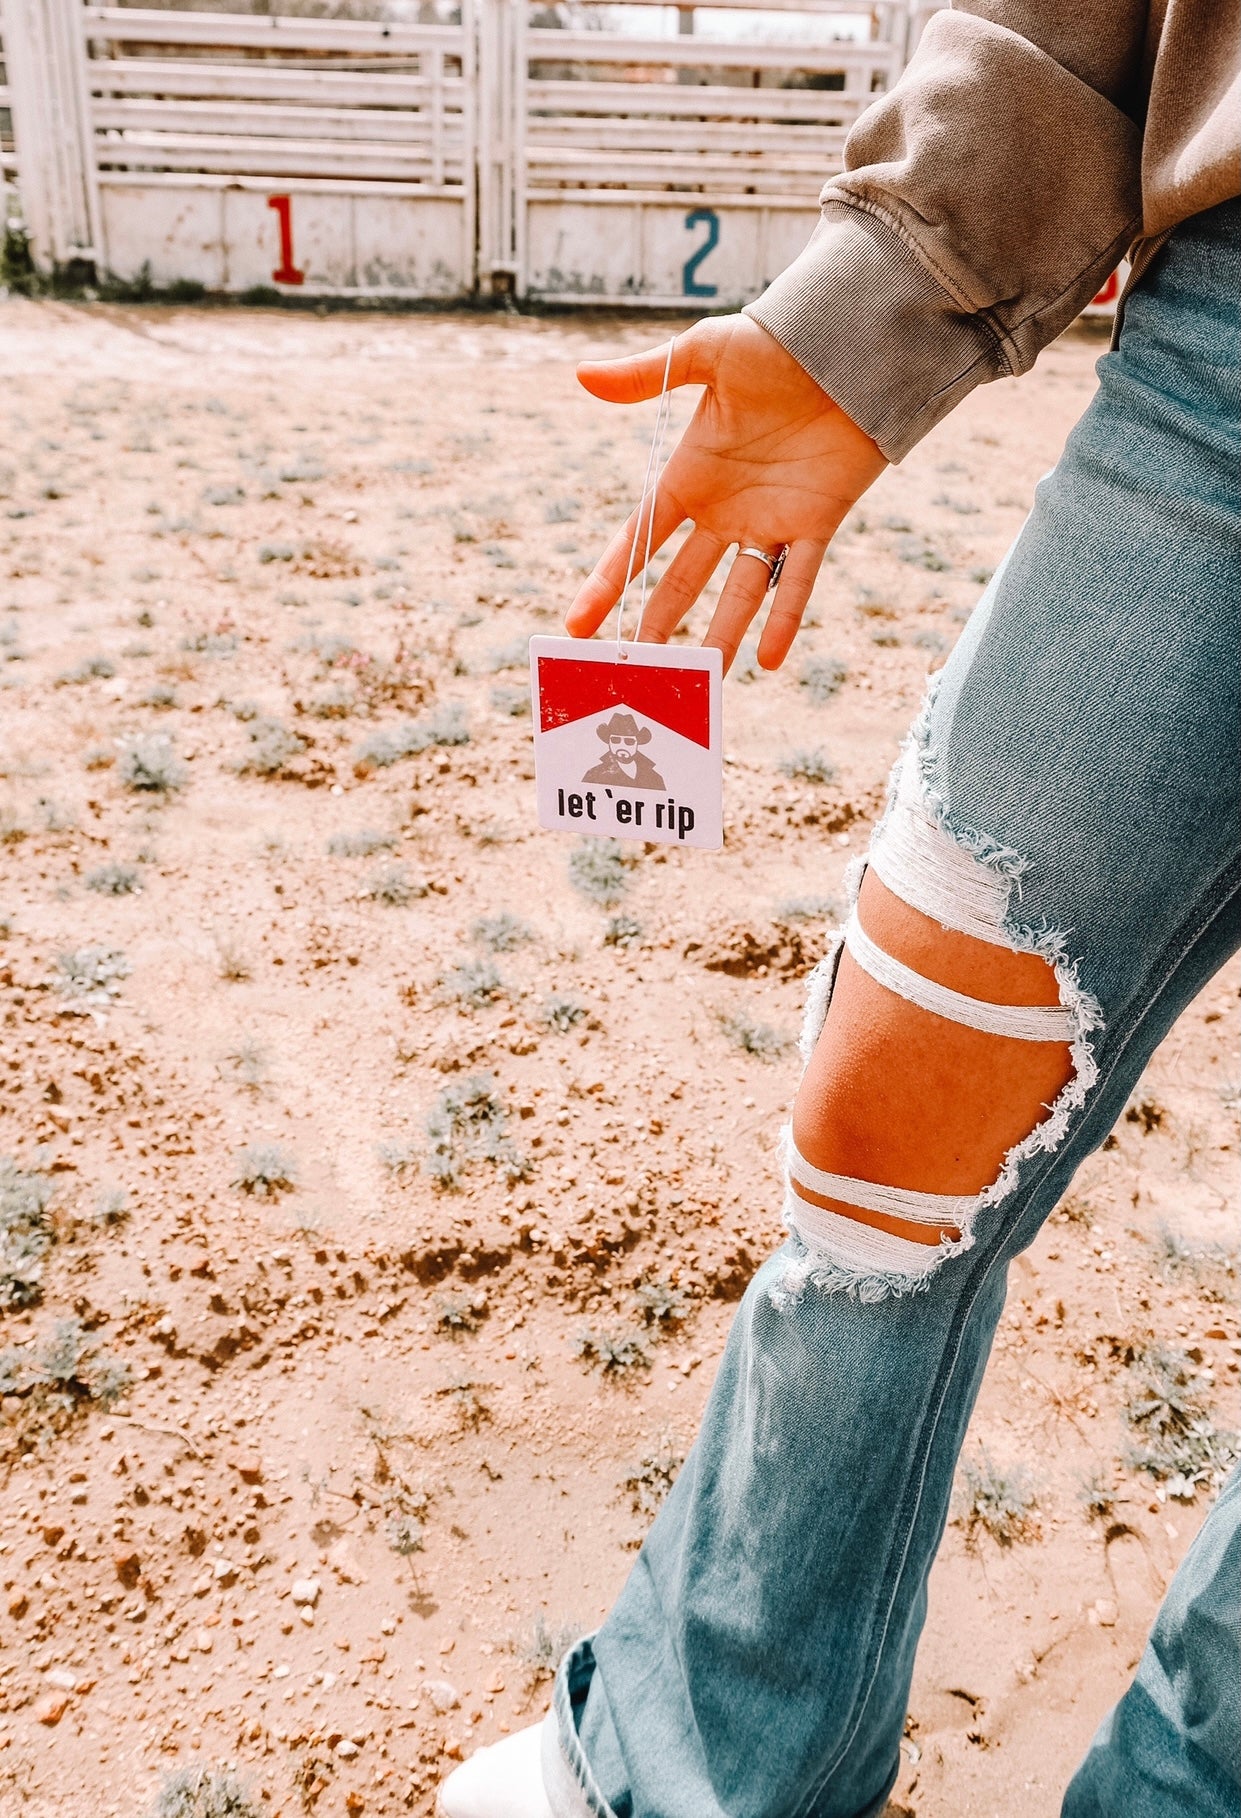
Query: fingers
(740, 598)
(601, 590)
(797, 578)
(637, 376)
(680, 585)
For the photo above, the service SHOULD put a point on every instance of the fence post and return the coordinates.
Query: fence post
(501, 145)
(49, 93)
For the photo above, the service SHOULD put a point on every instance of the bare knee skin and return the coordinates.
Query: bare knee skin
(897, 1095)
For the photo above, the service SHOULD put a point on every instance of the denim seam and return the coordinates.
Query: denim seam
(1124, 1034)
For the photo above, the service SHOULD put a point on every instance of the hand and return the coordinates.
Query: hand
(767, 459)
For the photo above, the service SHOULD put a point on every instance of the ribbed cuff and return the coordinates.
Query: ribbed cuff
(870, 324)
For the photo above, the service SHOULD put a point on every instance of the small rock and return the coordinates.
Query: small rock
(354, 1803)
(343, 1563)
(1104, 1612)
(19, 1603)
(202, 1585)
(128, 1567)
(305, 1591)
(307, 1615)
(443, 1694)
(51, 1709)
(224, 1573)
(346, 1749)
(204, 1641)
(53, 1534)
(62, 1678)
(249, 1468)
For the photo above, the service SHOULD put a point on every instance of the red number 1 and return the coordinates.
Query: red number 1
(286, 272)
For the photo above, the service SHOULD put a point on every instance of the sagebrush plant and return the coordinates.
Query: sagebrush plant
(809, 766)
(90, 669)
(511, 699)
(622, 931)
(544, 1646)
(753, 1037)
(111, 1206)
(272, 749)
(1097, 1497)
(398, 1158)
(1176, 1440)
(265, 1170)
(91, 973)
(599, 869)
(202, 1792)
(1001, 1501)
(67, 1370)
(149, 766)
(650, 1480)
(614, 1353)
(1212, 1267)
(823, 676)
(563, 1013)
(392, 884)
(808, 909)
(469, 1123)
(404, 1533)
(501, 933)
(509, 656)
(455, 1314)
(250, 1064)
(363, 843)
(471, 984)
(26, 1233)
(114, 880)
(336, 702)
(445, 726)
(659, 1302)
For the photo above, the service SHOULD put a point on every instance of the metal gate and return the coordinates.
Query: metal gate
(525, 147)
(663, 170)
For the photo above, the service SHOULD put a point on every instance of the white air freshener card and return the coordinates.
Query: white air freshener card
(628, 740)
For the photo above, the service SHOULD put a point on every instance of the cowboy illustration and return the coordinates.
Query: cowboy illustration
(622, 763)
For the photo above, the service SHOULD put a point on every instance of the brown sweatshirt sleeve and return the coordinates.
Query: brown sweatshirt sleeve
(984, 201)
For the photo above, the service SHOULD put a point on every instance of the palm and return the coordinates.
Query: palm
(767, 460)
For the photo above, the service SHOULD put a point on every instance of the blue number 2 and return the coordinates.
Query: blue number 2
(690, 287)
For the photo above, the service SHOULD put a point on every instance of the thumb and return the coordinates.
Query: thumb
(637, 376)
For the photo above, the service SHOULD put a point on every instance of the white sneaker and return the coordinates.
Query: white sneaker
(503, 1781)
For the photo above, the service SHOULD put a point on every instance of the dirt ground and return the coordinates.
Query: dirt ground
(321, 1428)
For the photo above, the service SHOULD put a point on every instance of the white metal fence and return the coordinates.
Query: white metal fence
(513, 149)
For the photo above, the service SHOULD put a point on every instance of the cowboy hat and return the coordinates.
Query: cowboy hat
(624, 726)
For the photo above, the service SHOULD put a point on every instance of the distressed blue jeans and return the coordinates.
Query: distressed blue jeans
(1082, 746)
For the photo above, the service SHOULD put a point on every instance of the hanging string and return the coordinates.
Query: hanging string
(650, 485)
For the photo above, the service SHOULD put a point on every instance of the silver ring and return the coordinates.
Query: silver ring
(774, 562)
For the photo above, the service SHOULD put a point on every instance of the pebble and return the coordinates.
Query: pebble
(305, 1591)
(51, 1709)
(62, 1678)
(128, 1567)
(442, 1693)
(346, 1749)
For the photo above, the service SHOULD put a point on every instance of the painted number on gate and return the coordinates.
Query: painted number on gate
(286, 272)
(690, 287)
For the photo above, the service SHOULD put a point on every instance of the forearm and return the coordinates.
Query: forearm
(984, 201)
